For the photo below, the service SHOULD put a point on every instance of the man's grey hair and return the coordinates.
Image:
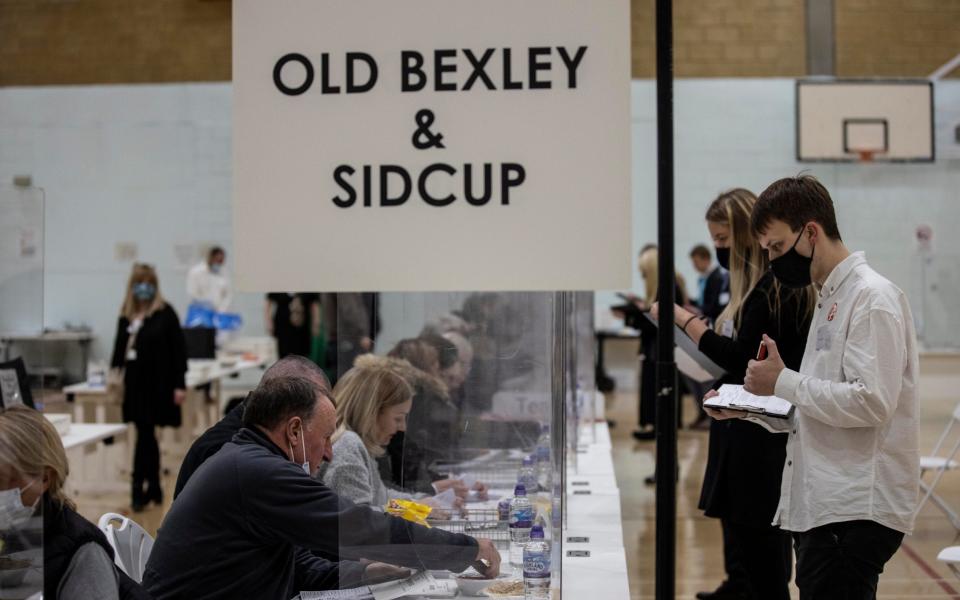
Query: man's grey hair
(288, 388)
(298, 366)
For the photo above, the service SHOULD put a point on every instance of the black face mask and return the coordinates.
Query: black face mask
(793, 269)
(723, 257)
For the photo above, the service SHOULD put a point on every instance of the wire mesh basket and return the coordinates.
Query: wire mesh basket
(481, 523)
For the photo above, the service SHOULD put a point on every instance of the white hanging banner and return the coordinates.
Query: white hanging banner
(430, 145)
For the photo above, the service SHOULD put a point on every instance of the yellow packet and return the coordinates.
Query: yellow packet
(410, 511)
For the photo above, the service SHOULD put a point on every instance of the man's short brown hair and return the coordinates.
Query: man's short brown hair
(796, 201)
(701, 251)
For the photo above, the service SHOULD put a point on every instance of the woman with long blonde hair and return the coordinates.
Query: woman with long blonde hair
(373, 401)
(150, 351)
(648, 265)
(745, 463)
(77, 559)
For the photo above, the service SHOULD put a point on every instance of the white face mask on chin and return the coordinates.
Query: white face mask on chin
(305, 465)
(12, 511)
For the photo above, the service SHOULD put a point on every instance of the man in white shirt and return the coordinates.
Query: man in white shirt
(852, 471)
(207, 284)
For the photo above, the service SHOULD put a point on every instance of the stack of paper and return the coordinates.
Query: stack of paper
(362, 593)
(736, 398)
(420, 584)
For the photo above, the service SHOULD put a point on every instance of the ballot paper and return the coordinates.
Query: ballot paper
(446, 500)
(690, 361)
(419, 584)
(361, 593)
(736, 398)
(468, 479)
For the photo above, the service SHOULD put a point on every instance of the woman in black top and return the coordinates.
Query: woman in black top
(633, 315)
(149, 347)
(293, 319)
(741, 485)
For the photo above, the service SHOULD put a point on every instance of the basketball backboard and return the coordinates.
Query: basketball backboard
(845, 120)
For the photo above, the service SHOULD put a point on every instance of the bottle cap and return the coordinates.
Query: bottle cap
(520, 490)
(536, 533)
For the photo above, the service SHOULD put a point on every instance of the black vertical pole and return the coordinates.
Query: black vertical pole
(666, 367)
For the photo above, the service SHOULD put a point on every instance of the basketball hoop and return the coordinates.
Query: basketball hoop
(866, 155)
(864, 121)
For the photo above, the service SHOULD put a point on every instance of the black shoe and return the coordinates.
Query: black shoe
(154, 494)
(644, 435)
(652, 480)
(724, 592)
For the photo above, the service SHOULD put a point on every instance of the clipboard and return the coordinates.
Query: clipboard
(735, 397)
(690, 361)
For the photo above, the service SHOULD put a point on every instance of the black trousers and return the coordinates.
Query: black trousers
(648, 393)
(146, 457)
(843, 561)
(758, 560)
(736, 575)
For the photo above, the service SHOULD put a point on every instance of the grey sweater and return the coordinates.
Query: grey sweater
(90, 575)
(353, 474)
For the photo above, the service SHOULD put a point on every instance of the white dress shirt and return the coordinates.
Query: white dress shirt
(853, 449)
(209, 288)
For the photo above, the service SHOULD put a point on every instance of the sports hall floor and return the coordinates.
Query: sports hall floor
(913, 573)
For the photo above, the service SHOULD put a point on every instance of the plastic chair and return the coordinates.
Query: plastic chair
(131, 544)
(951, 556)
(940, 464)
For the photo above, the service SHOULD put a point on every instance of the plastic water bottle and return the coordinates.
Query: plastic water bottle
(536, 566)
(521, 520)
(503, 509)
(528, 474)
(544, 467)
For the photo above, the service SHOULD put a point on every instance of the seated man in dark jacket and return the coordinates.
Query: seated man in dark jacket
(246, 520)
(209, 444)
(223, 431)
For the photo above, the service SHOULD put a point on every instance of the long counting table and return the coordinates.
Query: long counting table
(594, 526)
(594, 563)
(199, 373)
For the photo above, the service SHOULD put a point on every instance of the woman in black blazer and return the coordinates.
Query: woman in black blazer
(150, 349)
(741, 485)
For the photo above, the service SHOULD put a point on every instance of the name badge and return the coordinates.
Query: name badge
(131, 354)
(726, 330)
(824, 338)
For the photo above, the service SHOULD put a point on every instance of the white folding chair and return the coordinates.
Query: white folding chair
(939, 463)
(951, 556)
(131, 544)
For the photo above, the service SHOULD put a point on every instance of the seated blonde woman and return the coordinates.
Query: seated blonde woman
(431, 429)
(373, 401)
(77, 559)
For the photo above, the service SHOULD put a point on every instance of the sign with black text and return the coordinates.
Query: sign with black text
(430, 145)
